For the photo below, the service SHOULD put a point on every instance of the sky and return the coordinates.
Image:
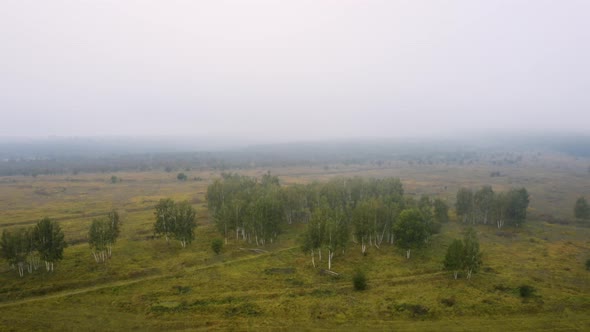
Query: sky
(293, 70)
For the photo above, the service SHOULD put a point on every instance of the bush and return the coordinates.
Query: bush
(449, 302)
(216, 246)
(588, 264)
(359, 281)
(526, 291)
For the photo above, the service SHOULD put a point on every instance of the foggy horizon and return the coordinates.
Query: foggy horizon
(266, 71)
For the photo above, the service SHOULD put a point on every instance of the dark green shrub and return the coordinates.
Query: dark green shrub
(216, 246)
(526, 291)
(359, 281)
(588, 264)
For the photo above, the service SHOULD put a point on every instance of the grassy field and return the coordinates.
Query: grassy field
(152, 285)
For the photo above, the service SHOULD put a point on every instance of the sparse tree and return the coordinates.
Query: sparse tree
(103, 233)
(98, 239)
(464, 203)
(114, 229)
(14, 249)
(483, 201)
(49, 241)
(185, 223)
(454, 259)
(472, 257)
(411, 231)
(181, 177)
(441, 211)
(165, 218)
(518, 202)
(216, 246)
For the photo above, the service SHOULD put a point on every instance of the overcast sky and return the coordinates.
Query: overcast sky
(293, 70)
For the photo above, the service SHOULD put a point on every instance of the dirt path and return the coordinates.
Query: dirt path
(132, 281)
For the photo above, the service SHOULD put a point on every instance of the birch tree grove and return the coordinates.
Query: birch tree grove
(176, 220)
(488, 207)
(24, 248)
(102, 235)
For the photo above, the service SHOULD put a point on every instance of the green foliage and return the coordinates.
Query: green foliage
(164, 213)
(588, 264)
(114, 179)
(13, 246)
(184, 222)
(526, 291)
(582, 208)
(24, 247)
(103, 233)
(518, 202)
(472, 256)
(455, 257)
(441, 211)
(49, 240)
(216, 246)
(411, 230)
(485, 206)
(359, 280)
(181, 177)
(175, 219)
(464, 203)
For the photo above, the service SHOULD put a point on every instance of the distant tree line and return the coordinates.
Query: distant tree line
(372, 154)
(484, 206)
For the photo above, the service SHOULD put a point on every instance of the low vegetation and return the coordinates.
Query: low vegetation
(244, 267)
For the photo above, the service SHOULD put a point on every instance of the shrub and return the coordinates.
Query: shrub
(449, 302)
(216, 246)
(359, 280)
(588, 264)
(526, 291)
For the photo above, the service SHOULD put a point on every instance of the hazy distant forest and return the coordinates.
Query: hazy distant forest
(429, 235)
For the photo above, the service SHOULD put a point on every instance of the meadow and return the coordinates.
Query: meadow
(153, 285)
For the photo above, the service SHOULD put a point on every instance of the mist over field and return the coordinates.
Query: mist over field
(278, 165)
(267, 71)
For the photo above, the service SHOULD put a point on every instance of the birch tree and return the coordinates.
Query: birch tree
(455, 257)
(472, 255)
(13, 247)
(411, 231)
(165, 222)
(50, 242)
(185, 223)
(464, 204)
(98, 239)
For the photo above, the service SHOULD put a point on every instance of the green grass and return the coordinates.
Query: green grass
(152, 285)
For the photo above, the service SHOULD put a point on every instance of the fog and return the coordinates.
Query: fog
(293, 70)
